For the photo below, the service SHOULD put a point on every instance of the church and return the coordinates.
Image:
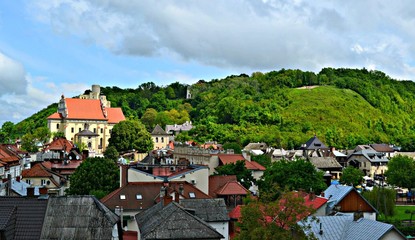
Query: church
(88, 119)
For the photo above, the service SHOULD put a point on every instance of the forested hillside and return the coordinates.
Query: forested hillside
(343, 107)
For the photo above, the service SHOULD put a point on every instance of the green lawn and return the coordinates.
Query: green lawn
(400, 214)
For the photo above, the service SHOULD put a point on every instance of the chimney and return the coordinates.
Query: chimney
(30, 192)
(9, 185)
(181, 189)
(176, 196)
(43, 191)
(311, 196)
(124, 175)
(322, 194)
(18, 178)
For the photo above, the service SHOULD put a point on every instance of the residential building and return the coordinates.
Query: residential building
(175, 129)
(212, 211)
(346, 199)
(88, 119)
(169, 220)
(314, 148)
(228, 188)
(371, 162)
(41, 176)
(346, 227)
(10, 162)
(160, 138)
(257, 170)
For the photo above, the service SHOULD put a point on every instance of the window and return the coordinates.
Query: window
(102, 130)
(57, 126)
(139, 196)
(192, 195)
(72, 130)
(122, 197)
(157, 139)
(95, 130)
(80, 130)
(28, 181)
(43, 182)
(162, 139)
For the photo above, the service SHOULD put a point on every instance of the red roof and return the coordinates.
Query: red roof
(233, 158)
(232, 188)
(315, 202)
(236, 212)
(7, 155)
(216, 182)
(36, 171)
(89, 109)
(115, 115)
(59, 144)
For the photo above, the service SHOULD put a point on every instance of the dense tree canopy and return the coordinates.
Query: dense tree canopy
(243, 175)
(95, 176)
(401, 171)
(292, 175)
(130, 134)
(351, 175)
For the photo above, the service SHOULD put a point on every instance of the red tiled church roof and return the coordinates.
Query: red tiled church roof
(89, 109)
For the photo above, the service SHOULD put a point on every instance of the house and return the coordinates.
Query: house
(318, 203)
(169, 220)
(88, 119)
(345, 227)
(74, 217)
(197, 175)
(212, 211)
(79, 217)
(346, 199)
(314, 148)
(327, 164)
(58, 150)
(384, 148)
(175, 129)
(254, 149)
(256, 169)
(41, 176)
(135, 197)
(371, 162)
(228, 188)
(21, 217)
(160, 138)
(10, 162)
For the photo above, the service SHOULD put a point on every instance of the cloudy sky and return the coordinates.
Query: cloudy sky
(54, 47)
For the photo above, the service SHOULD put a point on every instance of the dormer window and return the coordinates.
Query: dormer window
(192, 195)
(139, 197)
(122, 197)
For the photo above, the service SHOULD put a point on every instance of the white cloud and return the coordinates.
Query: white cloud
(12, 76)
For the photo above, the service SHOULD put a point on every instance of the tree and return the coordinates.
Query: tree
(42, 135)
(149, 118)
(243, 175)
(233, 145)
(352, 175)
(274, 220)
(7, 132)
(129, 135)
(401, 172)
(29, 143)
(111, 153)
(383, 199)
(292, 175)
(95, 175)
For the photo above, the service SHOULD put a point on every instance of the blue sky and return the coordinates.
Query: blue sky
(54, 47)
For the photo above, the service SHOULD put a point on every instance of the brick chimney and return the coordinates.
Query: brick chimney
(30, 192)
(123, 175)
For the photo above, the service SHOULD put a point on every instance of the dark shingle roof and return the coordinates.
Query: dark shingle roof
(324, 162)
(210, 210)
(173, 222)
(314, 143)
(29, 214)
(78, 217)
(158, 131)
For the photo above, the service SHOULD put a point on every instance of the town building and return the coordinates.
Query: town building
(88, 119)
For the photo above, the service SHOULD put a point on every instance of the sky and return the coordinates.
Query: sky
(54, 47)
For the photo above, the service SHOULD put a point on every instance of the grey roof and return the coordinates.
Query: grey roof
(256, 146)
(28, 215)
(370, 155)
(314, 143)
(173, 222)
(87, 133)
(78, 217)
(177, 127)
(210, 210)
(345, 228)
(158, 131)
(324, 162)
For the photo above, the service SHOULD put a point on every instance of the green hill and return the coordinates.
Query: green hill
(344, 107)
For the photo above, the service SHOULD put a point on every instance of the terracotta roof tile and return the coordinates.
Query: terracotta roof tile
(36, 171)
(232, 188)
(233, 158)
(315, 202)
(59, 144)
(252, 165)
(216, 182)
(115, 115)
